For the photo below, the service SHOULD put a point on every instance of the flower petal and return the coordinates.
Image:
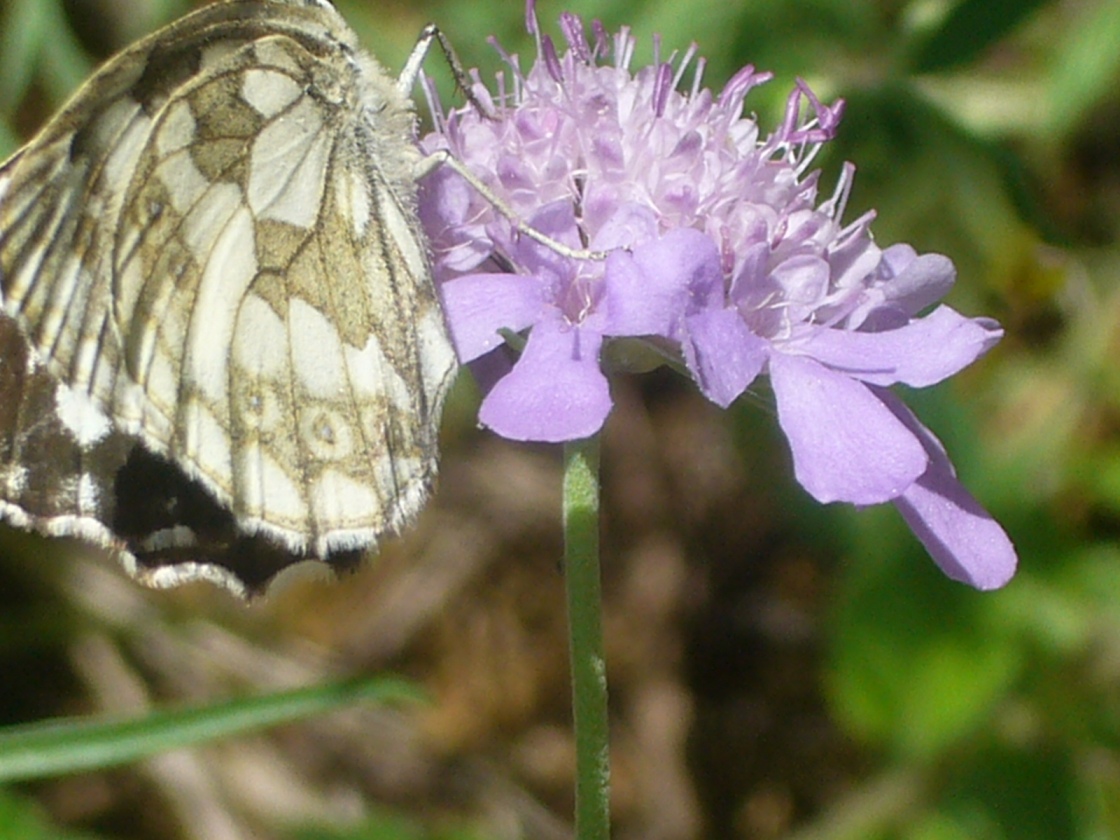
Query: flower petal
(555, 392)
(847, 446)
(629, 223)
(962, 537)
(918, 281)
(446, 200)
(966, 542)
(923, 352)
(478, 305)
(723, 355)
(802, 281)
(647, 291)
(558, 221)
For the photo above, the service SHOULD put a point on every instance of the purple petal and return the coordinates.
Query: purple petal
(558, 221)
(555, 392)
(962, 537)
(648, 290)
(722, 353)
(966, 543)
(922, 353)
(752, 273)
(478, 305)
(445, 208)
(629, 223)
(855, 256)
(444, 201)
(803, 280)
(918, 281)
(847, 446)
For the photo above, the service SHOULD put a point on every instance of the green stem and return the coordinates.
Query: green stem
(585, 634)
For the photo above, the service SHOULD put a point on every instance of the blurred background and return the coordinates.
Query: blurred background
(777, 669)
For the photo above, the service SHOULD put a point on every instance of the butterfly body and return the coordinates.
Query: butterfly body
(213, 256)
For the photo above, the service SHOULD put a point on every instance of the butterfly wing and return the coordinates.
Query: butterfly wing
(66, 471)
(216, 242)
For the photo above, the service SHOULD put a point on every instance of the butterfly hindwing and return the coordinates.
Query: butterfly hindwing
(44, 422)
(216, 243)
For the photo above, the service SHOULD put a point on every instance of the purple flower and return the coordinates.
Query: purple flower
(719, 255)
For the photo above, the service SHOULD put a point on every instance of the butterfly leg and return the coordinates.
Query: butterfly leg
(405, 82)
(411, 72)
(443, 157)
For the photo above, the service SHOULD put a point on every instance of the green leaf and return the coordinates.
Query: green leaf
(70, 745)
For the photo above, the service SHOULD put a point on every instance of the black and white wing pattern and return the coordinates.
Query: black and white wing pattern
(222, 349)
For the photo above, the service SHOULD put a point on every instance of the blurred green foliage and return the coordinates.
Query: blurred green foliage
(21, 819)
(989, 131)
(59, 746)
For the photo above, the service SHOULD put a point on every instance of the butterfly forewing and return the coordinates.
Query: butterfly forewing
(216, 245)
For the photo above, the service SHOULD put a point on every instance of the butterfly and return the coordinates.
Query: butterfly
(221, 351)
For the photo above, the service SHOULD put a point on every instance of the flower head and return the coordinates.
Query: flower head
(719, 253)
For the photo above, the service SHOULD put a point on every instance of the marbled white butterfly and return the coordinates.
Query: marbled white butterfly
(220, 348)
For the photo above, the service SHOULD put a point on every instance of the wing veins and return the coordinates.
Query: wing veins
(388, 258)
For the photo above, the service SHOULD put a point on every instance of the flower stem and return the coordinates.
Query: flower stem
(585, 638)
